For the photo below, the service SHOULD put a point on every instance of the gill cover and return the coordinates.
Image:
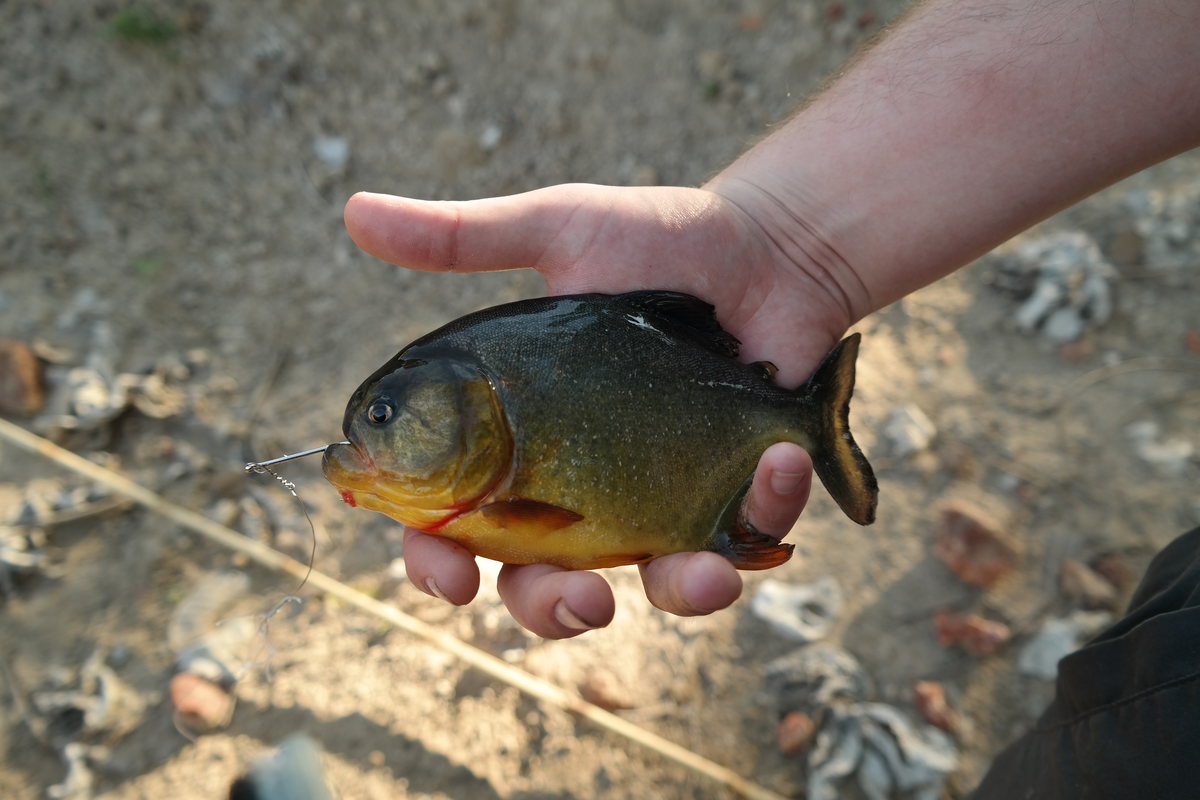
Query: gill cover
(429, 441)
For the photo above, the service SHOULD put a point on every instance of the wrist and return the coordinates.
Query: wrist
(799, 238)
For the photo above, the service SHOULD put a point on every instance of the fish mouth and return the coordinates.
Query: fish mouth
(353, 473)
(348, 467)
(361, 483)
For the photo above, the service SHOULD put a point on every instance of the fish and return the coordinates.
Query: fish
(591, 431)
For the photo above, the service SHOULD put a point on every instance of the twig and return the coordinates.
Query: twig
(535, 687)
(1077, 387)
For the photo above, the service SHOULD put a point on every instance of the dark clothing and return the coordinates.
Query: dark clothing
(1125, 721)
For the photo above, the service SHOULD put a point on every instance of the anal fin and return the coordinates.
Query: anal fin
(745, 546)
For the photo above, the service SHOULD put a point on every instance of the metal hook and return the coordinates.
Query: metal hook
(261, 466)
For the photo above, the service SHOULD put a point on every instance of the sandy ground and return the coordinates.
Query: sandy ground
(173, 199)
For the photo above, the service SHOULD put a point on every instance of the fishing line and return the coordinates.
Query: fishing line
(260, 468)
(265, 466)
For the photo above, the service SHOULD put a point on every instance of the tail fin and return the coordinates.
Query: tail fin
(840, 464)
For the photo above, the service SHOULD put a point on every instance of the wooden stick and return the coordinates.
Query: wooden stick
(496, 668)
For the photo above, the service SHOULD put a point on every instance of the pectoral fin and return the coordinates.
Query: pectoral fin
(532, 517)
(743, 544)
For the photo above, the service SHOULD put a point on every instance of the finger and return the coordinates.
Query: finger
(691, 584)
(440, 567)
(556, 603)
(512, 232)
(780, 490)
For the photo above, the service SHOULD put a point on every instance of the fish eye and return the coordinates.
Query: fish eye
(380, 412)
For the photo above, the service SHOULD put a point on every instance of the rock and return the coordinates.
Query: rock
(973, 546)
(100, 705)
(1063, 325)
(815, 676)
(909, 430)
(21, 555)
(1167, 221)
(1058, 637)
(1066, 282)
(978, 636)
(79, 780)
(795, 733)
(1115, 569)
(491, 137)
(1192, 341)
(869, 744)
(212, 653)
(602, 688)
(1169, 455)
(88, 398)
(21, 392)
(1086, 586)
(930, 699)
(201, 706)
(333, 151)
(801, 611)
(293, 772)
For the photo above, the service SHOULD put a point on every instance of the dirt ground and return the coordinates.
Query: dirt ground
(172, 199)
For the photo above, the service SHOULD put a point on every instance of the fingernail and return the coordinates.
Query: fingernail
(567, 618)
(786, 482)
(432, 587)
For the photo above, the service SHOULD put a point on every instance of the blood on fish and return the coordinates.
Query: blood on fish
(348, 498)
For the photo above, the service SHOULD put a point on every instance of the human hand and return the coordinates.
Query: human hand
(606, 239)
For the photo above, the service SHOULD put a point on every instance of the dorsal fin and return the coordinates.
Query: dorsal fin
(685, 316)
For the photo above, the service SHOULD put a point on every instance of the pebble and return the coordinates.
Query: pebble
(1058, 637)
(1068, 284)
(929, 697)
(801, 611)
(795, 733)
(21, 392)
(491, 137)
(977, 636)
(1116, 570)
(602, 688)
(333, 151)
(1063, 325)
(201, 706)
(1087, 587)
(973, 545)
(1191, 340)
(1169, 455)
(292, 772)
(868, 743)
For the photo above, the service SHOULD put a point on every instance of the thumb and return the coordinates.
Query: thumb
(519, 231)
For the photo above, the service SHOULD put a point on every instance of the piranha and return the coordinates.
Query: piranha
(591, 431)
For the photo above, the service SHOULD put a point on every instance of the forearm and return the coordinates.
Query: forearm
(968, 123)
